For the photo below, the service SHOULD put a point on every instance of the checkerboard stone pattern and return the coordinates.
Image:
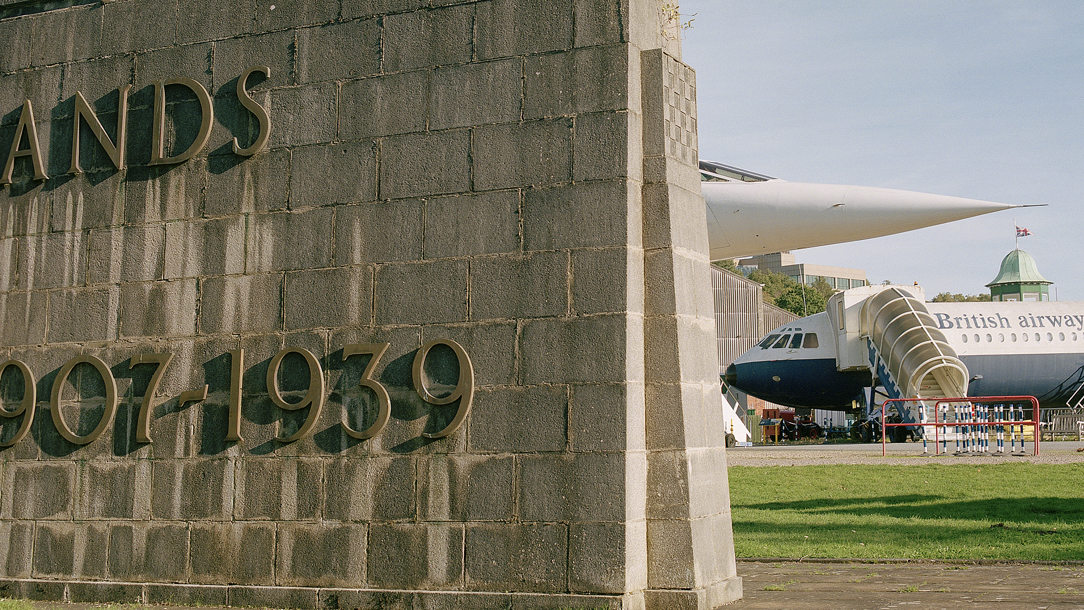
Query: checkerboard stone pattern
(514, 176)
(679, 87)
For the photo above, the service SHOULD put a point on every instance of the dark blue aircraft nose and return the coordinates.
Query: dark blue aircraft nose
(807, 383)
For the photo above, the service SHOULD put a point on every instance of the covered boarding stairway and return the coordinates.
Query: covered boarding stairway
(891, 331)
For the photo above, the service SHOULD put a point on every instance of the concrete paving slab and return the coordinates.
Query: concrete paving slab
(793, 585)
(856, 585)
(808, 454)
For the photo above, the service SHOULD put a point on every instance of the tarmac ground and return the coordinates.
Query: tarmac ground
(911, 452)
(793, 585)
(864, 585)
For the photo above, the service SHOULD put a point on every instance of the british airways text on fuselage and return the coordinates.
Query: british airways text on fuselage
(997, 321)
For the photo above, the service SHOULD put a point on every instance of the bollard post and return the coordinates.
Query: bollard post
(999, 414)
(956, 425)
(922, 418)
(1012, 431)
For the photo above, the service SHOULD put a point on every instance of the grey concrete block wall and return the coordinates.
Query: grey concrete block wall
(504, 174)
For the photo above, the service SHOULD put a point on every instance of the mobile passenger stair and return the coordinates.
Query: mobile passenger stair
(888, 330)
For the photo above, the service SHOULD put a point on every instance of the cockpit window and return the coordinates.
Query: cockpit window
(810, 341)
(782, 342)
(796, 342)
(767, 341)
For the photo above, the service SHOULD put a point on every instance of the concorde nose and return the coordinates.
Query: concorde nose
(747, 218)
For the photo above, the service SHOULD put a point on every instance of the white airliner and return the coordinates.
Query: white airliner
(750, 213)
(917, 349)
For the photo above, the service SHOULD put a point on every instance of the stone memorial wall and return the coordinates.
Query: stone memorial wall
(356, 303)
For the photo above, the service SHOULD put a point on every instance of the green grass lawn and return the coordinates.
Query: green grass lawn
(1010, 511)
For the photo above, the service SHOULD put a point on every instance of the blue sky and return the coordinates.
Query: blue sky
(979, 99)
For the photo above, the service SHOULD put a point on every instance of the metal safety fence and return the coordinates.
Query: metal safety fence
(970, 424)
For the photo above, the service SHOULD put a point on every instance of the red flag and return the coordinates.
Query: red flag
(1022, 232)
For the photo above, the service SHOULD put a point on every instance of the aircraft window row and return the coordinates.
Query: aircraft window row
(795, 341)
(1013, 338)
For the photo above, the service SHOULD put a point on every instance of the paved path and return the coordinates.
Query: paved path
(825, 585)
(1061, 452)
(789, 585)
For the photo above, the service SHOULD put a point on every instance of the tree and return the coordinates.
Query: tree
(802, 302)
(784, 292)
(774, 283)
(728, 264)
(821, 286)
(946, 297)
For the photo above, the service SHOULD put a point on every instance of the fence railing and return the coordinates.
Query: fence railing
(973, 421)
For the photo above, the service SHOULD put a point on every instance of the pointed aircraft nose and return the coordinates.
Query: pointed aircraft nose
(748, 218)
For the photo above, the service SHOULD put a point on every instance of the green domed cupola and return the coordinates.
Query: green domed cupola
(1019, 280)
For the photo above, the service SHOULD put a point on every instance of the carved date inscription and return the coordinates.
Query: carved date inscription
(313, 399)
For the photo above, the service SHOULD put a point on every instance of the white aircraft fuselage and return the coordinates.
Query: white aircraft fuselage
(1009, 348)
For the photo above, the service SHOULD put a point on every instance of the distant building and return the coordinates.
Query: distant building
(839, 278)
(1019, 280)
